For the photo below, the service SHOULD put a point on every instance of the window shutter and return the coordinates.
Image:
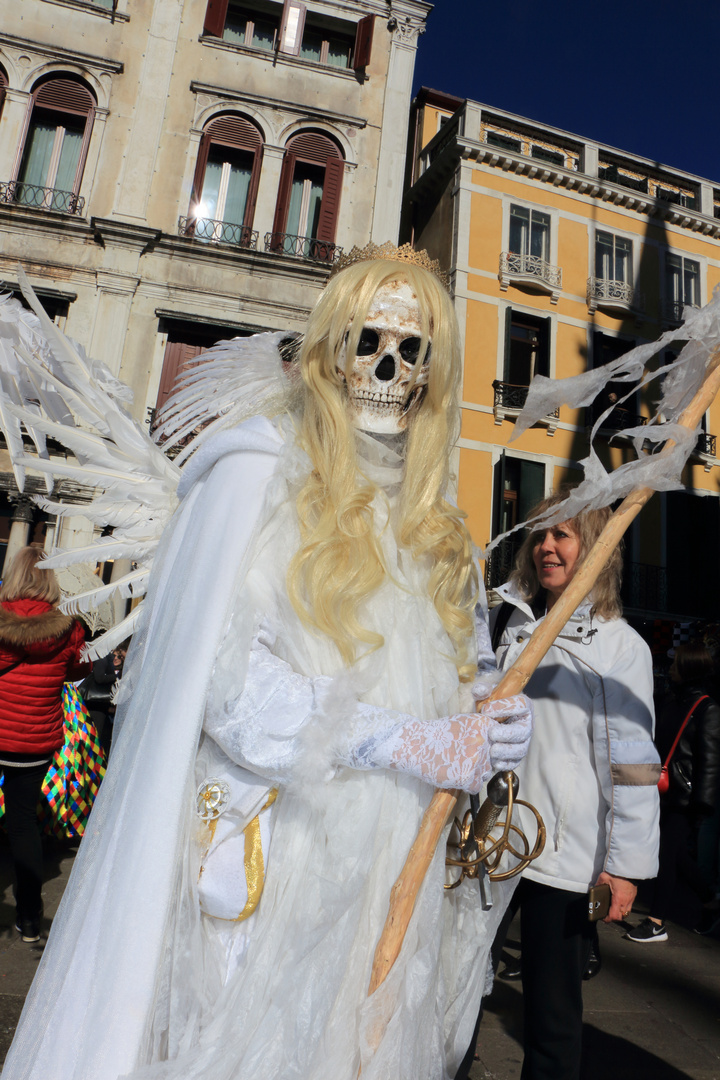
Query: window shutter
(283, 200)
(506, 350)
(330, 205)
(291, 27)
(3, 87)
(230, 129)
(215, 17)
(203, 151)
(542, 366)
(178, 354)
(313, 147)
(66, 95)
(363, 42)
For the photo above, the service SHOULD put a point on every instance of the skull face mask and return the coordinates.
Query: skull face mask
(380, 396)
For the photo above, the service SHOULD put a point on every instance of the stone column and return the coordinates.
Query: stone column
(20, 526)
(393, 139)
(268, 191)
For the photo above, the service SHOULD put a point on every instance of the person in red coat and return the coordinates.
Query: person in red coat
(39, 650)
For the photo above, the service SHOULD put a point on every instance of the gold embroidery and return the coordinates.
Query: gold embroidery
(254, 862)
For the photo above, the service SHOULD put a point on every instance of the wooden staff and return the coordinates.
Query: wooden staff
(515, 679)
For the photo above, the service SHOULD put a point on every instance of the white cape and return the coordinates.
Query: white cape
(142, 975)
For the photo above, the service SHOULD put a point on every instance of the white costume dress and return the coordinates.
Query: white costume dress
(163, 991)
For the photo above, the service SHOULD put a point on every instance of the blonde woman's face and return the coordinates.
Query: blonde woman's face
(379, 395)
(555, 555)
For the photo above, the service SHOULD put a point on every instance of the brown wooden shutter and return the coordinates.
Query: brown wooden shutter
(283, 200)
(3, 87)
(178, 355)
(330, 205)
(215, 17)
(199, 178)
(363, 42)
(230, 129)
(291, 27)
(313, 147)
(66, 95)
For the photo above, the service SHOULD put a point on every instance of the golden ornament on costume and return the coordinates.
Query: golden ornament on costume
(405, 253)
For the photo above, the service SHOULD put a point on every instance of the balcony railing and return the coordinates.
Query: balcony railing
(673, 311)
(304, 247)
(602, 292)
(41, 198)
(501, 560)
(619, 419)
(645, 587)
(509, 399)
(218, 232)
(706, 444)
(530, 270)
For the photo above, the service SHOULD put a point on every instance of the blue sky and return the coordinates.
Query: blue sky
(640, 75)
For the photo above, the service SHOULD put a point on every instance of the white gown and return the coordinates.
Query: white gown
(166, 992)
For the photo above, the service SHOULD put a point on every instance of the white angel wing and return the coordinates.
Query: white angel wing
(51, 390)
(230, 382)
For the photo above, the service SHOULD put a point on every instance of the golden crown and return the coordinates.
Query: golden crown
(406, 253)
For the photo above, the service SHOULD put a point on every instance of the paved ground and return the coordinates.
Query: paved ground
(18, 962)
(653, 1012)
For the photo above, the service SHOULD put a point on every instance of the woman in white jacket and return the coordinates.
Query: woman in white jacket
(591, 771)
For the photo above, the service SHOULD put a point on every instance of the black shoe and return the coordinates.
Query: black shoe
(648, 931)
(709, 921)
(594, 963)
(28, 929)
(512, 969)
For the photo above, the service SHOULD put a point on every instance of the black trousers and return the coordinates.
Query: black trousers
(555, 942)
(676, 863)
(21, 788)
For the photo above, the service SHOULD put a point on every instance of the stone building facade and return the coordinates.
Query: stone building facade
(175, 172)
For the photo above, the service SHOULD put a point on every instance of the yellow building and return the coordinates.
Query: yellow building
(563, 254)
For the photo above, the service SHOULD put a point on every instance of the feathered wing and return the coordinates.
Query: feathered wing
(51, 390)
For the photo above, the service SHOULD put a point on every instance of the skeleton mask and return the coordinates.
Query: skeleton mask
(379, 376)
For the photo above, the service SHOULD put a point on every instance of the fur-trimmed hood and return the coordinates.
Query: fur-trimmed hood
(24, 623)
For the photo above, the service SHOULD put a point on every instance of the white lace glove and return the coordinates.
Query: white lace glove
(268, 729)
(460, 751)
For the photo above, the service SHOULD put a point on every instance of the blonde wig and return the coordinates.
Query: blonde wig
(587, 526)
(25, 580)
(340, 562)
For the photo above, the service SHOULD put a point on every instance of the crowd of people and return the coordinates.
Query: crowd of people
(301, 680)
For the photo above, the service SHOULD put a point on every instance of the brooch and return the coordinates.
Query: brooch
(213, 796)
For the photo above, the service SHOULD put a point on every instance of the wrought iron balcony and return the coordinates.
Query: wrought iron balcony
(501, 560)
(42, 198)
(645, 587)
(706, 444)
(602, 292)
(304, 247)
(619, 419)
(218, 232)
(530, 270)
(510, 399)
(673, 311)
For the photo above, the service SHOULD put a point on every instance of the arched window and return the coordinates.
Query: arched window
(3, 87)
(55, 147)
(226, 181)
(308, 197)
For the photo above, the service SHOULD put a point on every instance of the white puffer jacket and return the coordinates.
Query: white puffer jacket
(592, 768)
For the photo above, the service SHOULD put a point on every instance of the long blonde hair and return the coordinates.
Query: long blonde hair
(339, 562)
(26, 580)
(588, 525)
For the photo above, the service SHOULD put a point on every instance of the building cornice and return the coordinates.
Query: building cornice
(303, 111)
(58, 52)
